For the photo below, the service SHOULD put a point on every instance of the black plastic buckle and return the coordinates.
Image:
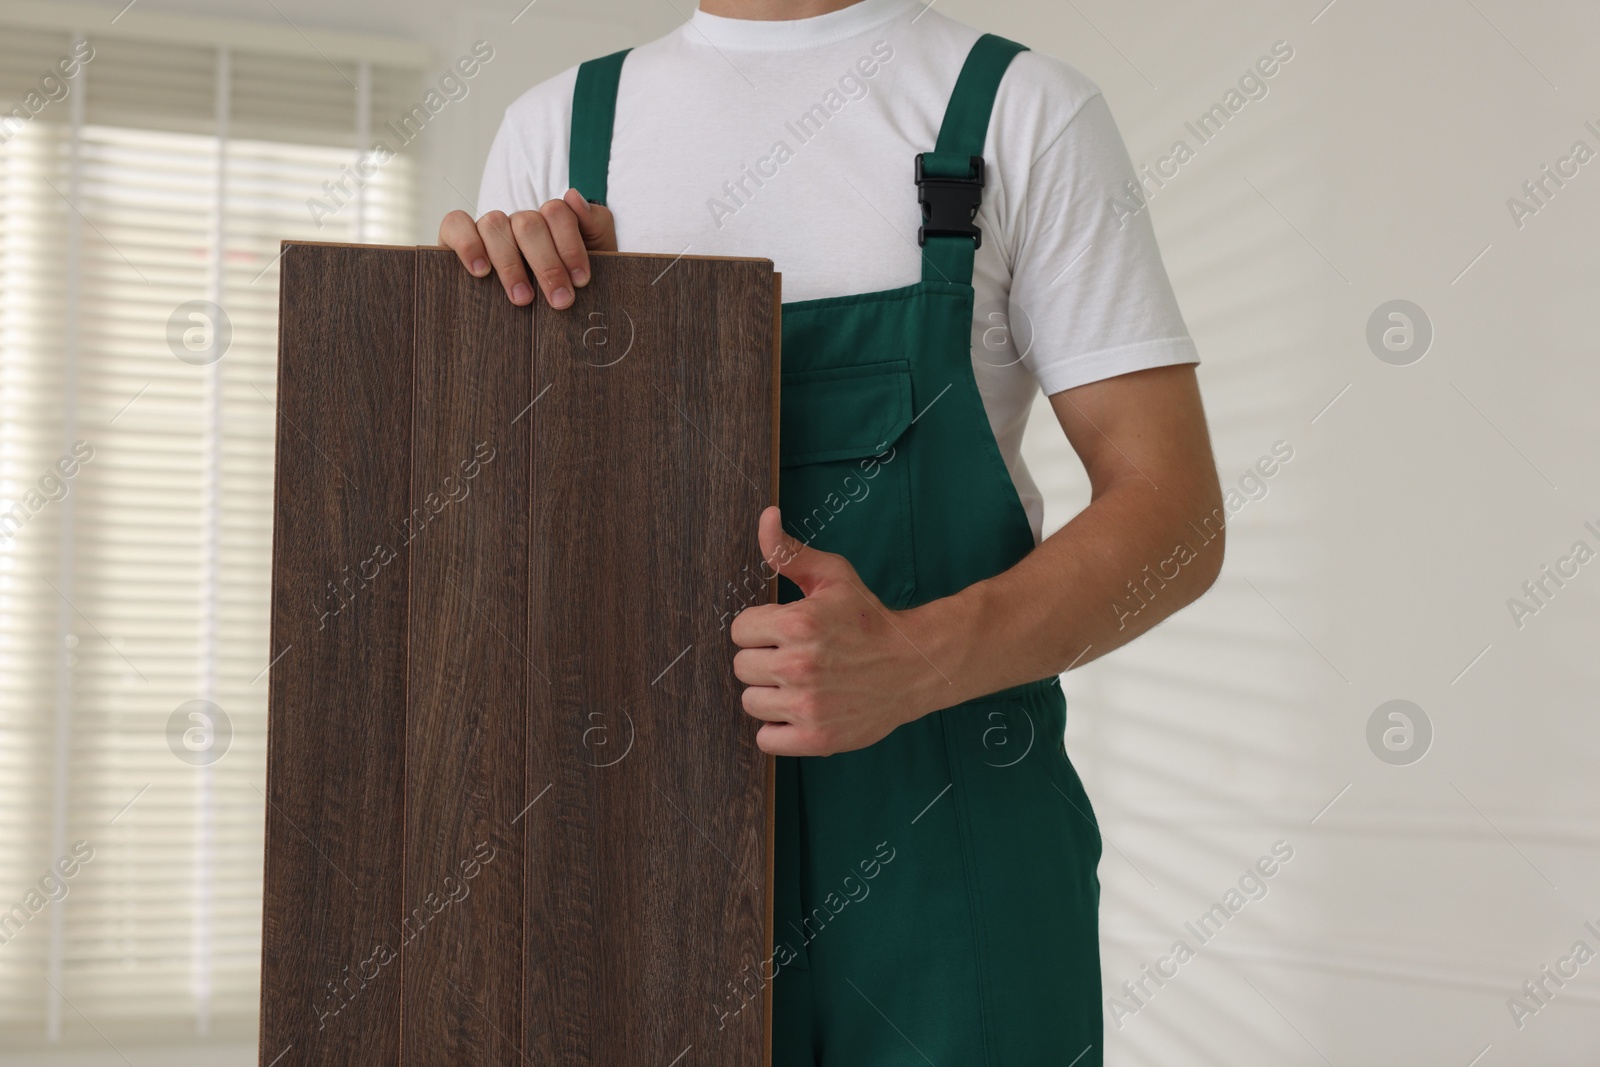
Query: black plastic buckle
(950, 204)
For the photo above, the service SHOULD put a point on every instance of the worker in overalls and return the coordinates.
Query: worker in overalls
(958, 227)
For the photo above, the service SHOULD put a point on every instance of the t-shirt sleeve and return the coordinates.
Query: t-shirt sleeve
(527, 163)
(1086, 273)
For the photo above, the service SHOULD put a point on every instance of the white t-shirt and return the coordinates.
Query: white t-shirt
(796, 141)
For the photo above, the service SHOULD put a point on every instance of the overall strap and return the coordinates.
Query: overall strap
(950, 179)
(594, 111)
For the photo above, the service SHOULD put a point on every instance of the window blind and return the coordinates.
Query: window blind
(165, 175)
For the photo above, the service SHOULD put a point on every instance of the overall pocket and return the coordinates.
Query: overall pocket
(844, 483)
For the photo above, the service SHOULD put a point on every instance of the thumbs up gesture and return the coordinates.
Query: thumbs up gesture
(835, 671)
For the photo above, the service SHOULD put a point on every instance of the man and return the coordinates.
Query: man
(935, 879)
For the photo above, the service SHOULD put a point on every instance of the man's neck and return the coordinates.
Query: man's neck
(772, 10)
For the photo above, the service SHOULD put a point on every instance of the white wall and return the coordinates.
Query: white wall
(1378, 565)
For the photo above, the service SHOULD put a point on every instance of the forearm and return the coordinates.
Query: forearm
(838, 670)
(1133, 557)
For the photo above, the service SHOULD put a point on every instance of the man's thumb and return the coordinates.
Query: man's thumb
(803, 565)
(595, 224)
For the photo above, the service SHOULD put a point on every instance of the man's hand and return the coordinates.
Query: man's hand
(555, 240)
(834, 672)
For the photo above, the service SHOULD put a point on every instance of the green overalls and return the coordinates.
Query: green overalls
(936, 895)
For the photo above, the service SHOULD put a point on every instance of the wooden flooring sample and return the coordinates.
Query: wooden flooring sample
(336, 707)
(516, 814)
(466, 719)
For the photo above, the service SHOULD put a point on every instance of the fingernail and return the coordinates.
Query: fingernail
(479, 266)
(520, 293)
(561, 298)
(580, 277)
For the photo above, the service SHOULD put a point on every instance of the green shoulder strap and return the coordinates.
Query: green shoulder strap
(961, 137)
(594, 111)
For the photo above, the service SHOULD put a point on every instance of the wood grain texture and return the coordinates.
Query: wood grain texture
(652, 459)
(466, 728)
(517, 814)
(331, 895)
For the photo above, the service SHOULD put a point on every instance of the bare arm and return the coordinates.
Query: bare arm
(837, 670)
(1116, 569)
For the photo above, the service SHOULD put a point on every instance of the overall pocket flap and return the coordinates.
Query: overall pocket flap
(843, 412)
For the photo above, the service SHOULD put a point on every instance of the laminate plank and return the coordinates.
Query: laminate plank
(330, 993)
(517, 814)
(650, 857)
(466, 731)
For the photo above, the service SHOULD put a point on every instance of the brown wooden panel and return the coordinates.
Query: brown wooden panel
(331, 900)
(550, 840)
(650, 855)
(467, 723)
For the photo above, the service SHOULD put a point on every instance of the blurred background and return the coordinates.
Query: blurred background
(1369, 299)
